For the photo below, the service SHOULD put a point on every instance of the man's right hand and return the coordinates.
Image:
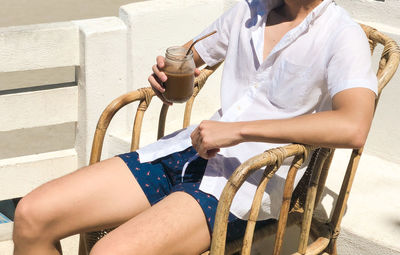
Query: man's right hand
(158, 78)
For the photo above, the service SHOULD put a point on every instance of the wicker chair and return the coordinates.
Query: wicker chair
(297, 206)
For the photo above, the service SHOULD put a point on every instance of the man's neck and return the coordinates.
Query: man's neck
(298, 9)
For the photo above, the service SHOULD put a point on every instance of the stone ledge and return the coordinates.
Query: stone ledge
(6, 231)
(373, 11)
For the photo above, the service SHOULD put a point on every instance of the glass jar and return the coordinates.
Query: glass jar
(179, 69)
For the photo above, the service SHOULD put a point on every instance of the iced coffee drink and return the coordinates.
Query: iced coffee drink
(179, 69)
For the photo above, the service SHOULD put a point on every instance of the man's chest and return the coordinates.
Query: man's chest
(293, 75)
(275, 29)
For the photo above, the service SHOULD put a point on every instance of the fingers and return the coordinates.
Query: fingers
(156, 88)
(160, 61)
(155, 83)
(199, 144)
(196, 142)
(157, 69)
(196, 72)
(158, 78)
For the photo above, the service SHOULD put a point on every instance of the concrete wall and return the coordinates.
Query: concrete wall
(97, 49)
(385, 17)
(27, 12)
(101, 76)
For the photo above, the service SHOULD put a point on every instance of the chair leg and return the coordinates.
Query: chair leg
(82, 245)
(331, 249)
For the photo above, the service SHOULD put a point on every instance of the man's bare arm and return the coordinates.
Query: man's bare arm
(346, 126)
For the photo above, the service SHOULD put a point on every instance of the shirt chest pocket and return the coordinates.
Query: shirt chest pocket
(293, 86)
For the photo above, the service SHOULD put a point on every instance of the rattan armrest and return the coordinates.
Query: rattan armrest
(143, 95)
(271, 159)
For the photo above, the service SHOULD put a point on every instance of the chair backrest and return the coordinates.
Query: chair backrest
(388, 65)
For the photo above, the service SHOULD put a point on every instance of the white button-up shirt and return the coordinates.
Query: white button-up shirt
(326, 53)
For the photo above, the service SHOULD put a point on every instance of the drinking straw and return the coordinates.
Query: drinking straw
(201, 38)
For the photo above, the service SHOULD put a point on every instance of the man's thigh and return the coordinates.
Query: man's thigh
(105, 194)
(175, 225)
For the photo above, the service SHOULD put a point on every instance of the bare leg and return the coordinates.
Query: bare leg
(175, 225)
(102, 195)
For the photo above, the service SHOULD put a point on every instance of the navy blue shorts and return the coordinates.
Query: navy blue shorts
(163, 176)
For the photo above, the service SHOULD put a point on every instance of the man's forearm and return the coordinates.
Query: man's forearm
(346, 126)
(327, 129)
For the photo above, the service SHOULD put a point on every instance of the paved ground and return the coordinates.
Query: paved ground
(24, 12)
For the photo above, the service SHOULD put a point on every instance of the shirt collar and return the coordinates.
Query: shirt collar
(313, 15)
(265, 6)
(259, 12)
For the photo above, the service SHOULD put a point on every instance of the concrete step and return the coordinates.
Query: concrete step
(20, 175)
(38, 108)
(37, 140)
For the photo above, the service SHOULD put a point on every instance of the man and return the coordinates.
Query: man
(295, 71)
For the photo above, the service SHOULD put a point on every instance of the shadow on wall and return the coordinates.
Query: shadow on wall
(320, 210)
(290, 242)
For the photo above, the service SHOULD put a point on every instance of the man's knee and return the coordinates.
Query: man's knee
(30, 221)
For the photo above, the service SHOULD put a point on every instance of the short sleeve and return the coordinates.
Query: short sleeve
(350, 62)
(213, 49)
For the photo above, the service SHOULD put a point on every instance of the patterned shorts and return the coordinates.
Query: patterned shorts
(163, 176)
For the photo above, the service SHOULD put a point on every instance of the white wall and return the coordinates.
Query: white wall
(384, 135)
(97, 49)
(101, 76)
(152, 27)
